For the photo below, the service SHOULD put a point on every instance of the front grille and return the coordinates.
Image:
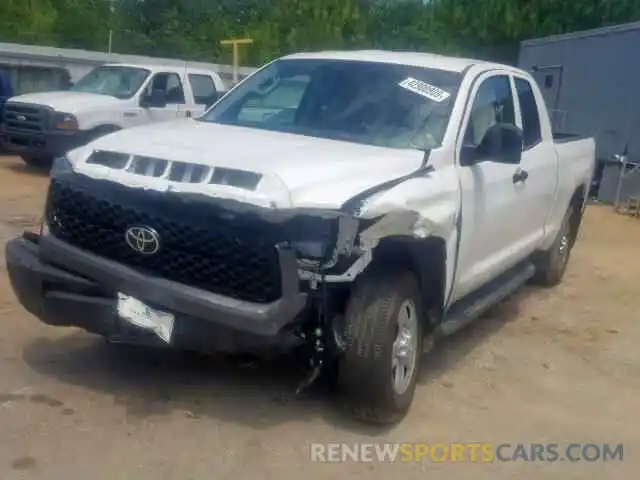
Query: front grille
(235, 260)
(24, 118)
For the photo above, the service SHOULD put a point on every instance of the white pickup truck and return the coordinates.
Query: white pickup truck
(43, 126)
(351, 206)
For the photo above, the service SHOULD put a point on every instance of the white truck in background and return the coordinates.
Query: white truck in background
(352, 206)
(42, 126)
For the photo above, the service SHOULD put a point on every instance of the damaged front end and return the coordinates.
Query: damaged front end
(231, 247)
(219, 245)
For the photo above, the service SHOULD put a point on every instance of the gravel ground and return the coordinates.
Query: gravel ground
(559, 365)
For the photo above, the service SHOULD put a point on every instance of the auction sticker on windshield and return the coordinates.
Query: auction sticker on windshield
(426, 90)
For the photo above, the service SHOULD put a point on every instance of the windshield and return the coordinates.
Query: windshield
(115, 81)
(381, 104)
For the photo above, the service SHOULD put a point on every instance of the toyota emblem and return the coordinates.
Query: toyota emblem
(21, 118)
(143, 240)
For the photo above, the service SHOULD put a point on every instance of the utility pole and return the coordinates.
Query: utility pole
(112, 10)
(110, 43)
(234, 43)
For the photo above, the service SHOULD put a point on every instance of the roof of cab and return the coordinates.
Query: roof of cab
(416, 59)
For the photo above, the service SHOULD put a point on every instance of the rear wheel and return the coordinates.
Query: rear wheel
(551, 264)
(384, 335)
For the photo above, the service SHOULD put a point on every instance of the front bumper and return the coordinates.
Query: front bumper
(65, 286)
(41, 144)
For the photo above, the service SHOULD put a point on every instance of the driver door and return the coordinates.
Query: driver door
(170, 85)
(491, 214)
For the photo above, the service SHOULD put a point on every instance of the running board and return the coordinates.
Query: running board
(475, 304)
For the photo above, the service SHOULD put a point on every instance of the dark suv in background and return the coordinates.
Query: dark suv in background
(6, 92)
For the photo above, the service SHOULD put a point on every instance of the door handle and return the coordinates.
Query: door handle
(520, 176)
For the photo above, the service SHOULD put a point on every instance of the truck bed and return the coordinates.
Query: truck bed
(576, 162)
(562, 137)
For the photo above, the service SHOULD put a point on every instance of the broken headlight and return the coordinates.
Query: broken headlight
(313, 242)
(319, 242)
(310, 249)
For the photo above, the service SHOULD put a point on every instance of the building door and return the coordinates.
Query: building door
(549, 79)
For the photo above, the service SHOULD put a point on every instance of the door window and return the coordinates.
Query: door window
(170, 84)
(529, 111)
(493, 104)
(204, 90)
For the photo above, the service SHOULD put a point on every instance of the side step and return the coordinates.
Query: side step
(467, 309)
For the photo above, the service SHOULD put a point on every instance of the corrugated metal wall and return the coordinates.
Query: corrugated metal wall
(591, 81)
(28, 79)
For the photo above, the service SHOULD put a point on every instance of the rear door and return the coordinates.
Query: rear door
(204, 92)
(539, 162)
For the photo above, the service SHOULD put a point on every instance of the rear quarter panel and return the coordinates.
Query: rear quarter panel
(576, 164)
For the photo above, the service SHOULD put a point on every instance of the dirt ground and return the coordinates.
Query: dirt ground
(559, 365)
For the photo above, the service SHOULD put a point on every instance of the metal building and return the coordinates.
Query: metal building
(591, 84)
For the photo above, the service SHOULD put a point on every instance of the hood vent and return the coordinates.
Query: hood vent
(189, 172)
(114, 160)
(148, 166)
(235, 178)
(174, 171)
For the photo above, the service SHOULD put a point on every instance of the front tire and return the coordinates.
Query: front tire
(384, 322)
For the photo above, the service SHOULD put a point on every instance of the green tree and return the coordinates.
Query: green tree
(30, 21)
(192, 29)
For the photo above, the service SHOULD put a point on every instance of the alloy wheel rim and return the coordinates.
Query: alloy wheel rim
(405, 347)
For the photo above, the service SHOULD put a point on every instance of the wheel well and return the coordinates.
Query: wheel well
(426, 259)
(100, 131)
(104, 129)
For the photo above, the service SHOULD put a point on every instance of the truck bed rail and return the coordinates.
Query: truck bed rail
(562, 137)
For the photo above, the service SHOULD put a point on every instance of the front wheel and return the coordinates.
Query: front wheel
(383, 341)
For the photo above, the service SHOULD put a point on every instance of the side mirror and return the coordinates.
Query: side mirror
(501, 143)
(156, 99)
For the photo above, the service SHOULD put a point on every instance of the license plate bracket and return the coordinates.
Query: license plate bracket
(139, 314)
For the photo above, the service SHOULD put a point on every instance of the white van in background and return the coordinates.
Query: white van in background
(111, 97)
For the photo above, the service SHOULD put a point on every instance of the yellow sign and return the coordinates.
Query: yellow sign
(234, 43)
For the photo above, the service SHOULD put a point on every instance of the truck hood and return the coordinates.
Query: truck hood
(67, 102)
(297, 170)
